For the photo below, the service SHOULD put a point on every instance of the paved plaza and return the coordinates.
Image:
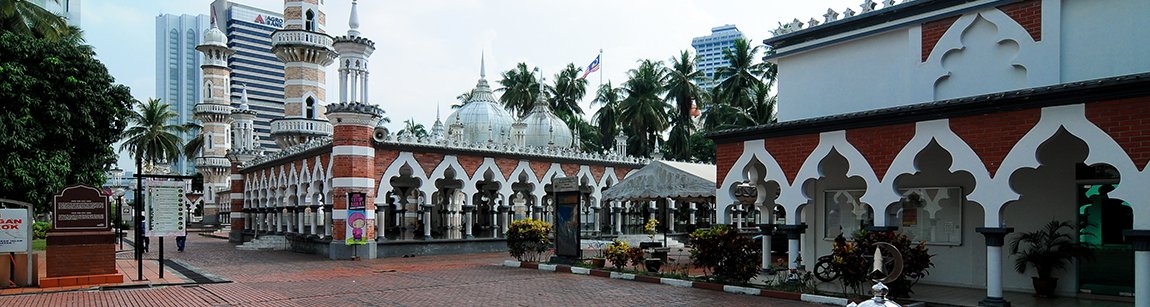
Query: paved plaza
(278, 278)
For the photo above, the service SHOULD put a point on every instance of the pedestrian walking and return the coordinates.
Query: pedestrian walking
(180, 242)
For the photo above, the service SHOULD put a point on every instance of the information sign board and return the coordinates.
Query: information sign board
(14, 228)
(80, 207)
(164, 210)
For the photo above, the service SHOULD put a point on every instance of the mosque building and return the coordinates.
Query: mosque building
(458, 189)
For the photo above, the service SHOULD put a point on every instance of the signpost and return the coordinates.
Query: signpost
(82, 231)
(567, 234)
(16, 234)
(164, 213)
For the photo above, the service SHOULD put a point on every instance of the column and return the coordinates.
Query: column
(537, 212)
(618, 219)
(301, 219)
(794, 233)
(314, 219)
(427, 221)
(670, 215)
(766, 230)
(380, 224)
(651, 208)
(1141, 240)
(327, 220)
(353, 171)
(595, 218)
(505, 219)
(469, 220)
(994, 239)
(693, 209)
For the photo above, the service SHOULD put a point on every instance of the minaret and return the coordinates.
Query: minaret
(214, 112)
(352, 154)
(244, 149)
(305, 49)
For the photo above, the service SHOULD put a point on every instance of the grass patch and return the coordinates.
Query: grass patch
(39, 244)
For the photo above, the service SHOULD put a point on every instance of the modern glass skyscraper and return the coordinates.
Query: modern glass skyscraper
(710, 50)
(178, 69)
(249, 31)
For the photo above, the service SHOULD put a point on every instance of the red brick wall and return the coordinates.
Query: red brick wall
(1128, 122)
(597, 171)
(352, 135)
(428, 160)
(506, 166)
(540, 168)
(879, 145)
(725, 156)
(791, 151)
(993, 135)
(70, 257)
(571, 169)
(470, 164)
(353, 166)
(1028, 14)
(383, 160)
(932, 32)
(621, 172)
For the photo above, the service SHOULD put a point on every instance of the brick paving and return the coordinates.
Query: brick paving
(277, 278)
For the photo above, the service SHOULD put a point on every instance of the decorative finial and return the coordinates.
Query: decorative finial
(244, 94)
(830, 16)
(888, 3)
(848, 13)
(867, 6)
(483, 64)
(353, 22)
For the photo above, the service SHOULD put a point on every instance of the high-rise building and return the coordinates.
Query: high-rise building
(710, 51)
(254, 66)
(70, 9)
(178, 70)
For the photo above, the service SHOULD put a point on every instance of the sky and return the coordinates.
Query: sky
(428, 51)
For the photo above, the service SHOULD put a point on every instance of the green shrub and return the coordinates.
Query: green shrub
(854, 267)
(723, 251)
(619, 253)
(40, 229)
(528, 237)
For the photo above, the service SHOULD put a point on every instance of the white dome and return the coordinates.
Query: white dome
(543, 127)
(482, 117)
(215, 37)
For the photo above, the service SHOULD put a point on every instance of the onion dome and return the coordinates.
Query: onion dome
(544, 128)
(215, 37)
(482, 117)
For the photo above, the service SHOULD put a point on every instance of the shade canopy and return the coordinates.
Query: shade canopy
(666, 179)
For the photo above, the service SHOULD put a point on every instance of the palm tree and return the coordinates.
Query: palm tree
(152, 136)
(567, 91)
(740, 76)
(196, 144)
(682, 87)
(463, 99)
(643, 109)
(519, 90)
(414, 129)
(26, 18)
(607, 118)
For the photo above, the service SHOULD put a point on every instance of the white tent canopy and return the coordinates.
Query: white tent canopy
(666, 179)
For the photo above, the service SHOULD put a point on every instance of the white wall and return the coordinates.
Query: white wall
(1102, 38)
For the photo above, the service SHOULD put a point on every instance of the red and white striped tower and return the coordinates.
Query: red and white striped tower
(214, 113)
(353, 157)
(305, 49)
(243, 150)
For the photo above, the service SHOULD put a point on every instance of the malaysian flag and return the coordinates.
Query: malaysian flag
(593, 67)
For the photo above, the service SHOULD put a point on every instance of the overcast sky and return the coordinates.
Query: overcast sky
(427, 52)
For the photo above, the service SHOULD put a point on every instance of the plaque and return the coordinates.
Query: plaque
(80, 207)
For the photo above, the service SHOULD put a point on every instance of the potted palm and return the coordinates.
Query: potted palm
(1048, 249)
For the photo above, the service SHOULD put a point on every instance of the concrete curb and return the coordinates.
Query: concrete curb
(559, 268)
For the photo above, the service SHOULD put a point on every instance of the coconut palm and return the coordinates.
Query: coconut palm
(644, 112)
(519, 90)
(463, 99)
(682, 87)
(195, 145)
(740, 76)
(153, 137)
(26, 18)
(566, 93)
(607, 118)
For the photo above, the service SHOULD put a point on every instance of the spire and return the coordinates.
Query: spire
(353, 22)
(482, 65)
(244, 97)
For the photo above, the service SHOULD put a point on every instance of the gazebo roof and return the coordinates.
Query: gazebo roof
(666, 179)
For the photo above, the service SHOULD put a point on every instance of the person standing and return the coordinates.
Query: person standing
(180, 242)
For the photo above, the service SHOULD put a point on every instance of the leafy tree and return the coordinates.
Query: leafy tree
(643, 109)
(24, 17)
(739, 78)
(153, 138)
(61, 113)
(702, 148)
(463, 99)
(607, 118)
(519, 90)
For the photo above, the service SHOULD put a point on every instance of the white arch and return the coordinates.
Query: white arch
(752, 150)
(1102, 149)
(404, 158)
(524, 167)
(449, 161)
(793, 197)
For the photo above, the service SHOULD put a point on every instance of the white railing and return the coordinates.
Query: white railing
(301, 125)
(301, 37)
(212, 108)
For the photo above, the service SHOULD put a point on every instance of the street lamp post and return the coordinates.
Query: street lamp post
(119, 187)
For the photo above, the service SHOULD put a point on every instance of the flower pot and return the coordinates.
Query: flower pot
(1044, 287)
(598, 263)
(653, 264)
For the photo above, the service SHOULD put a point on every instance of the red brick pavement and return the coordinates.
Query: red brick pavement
(291, 279)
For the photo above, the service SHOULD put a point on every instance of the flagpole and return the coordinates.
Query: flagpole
(600, 67)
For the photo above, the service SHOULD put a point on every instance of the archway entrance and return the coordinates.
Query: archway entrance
(1101, 220)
